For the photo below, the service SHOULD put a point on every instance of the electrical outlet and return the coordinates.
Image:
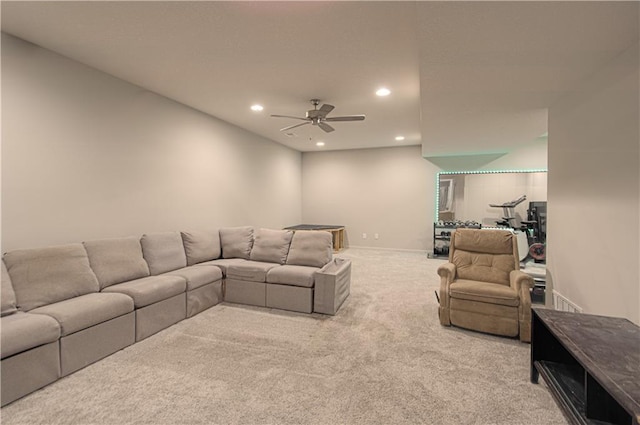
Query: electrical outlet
(376, 236)
(364, 236)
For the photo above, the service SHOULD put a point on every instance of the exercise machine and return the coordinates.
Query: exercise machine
(531, 233)
(508, 211)
(536, 228)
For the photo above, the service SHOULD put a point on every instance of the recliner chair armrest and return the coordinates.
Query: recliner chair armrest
(447, 271)
(447, 274)
(520, 281)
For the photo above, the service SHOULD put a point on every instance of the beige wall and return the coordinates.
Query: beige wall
(594, 184)
(389, 191)
(530, 157)
(85, 155)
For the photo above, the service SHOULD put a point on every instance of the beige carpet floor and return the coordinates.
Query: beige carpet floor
(383, 359)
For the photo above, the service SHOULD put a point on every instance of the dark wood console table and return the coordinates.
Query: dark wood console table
(591, 365)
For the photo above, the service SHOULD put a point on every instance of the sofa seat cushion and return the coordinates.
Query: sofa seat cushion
(150, 290)
(223, 263)
(163, 252)
(43, 276)
(201, 246)
(116, 260)
(271, 246)
(485, 292)
(250, 271)
(86, 311)
(293, 275)
(310, 248)
(197, 276)
(23, 331)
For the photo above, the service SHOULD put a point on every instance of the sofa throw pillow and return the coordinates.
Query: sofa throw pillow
(7, 294)
(43, 276)
(163, 252)
(271, 245)
(116, 260)
(310, 248)
(236, 242)
(201, 246)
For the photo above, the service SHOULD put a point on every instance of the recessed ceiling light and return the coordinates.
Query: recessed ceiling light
(399, 138)
(257, 108)
(383, 91)
(320, 144)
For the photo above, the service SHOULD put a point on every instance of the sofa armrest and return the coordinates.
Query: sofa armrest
(522, 283)
(447, 273)
(332, 286)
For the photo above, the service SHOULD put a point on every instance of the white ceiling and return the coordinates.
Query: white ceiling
(466, 77)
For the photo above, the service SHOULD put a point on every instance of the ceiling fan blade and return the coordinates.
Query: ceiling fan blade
(289, 116)
(326, 127)
(325, 109)
(294, 126)
(346, 118)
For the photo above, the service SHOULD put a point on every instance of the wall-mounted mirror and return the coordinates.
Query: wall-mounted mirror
(469, 196)
(508, 199)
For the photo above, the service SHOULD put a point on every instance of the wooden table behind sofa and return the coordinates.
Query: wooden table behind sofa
(337, 232)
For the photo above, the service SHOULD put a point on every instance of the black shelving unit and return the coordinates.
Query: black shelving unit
(442, 232)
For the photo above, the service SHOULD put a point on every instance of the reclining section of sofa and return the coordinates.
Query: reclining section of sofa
(284, 270)
(56, 288)
(165, 255)
(30, 347)
(160, 301)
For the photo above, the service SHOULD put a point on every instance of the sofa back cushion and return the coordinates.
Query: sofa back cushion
(45, 276)
(484, 255)
(7, 294)
(116, 260)
(201, 246)
(271, 246)
(163, 252)
(310, 248)
(487, 241)
(236, 242)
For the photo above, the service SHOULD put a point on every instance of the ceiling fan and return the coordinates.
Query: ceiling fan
(319, 117)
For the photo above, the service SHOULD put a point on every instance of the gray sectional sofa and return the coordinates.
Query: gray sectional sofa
(65, 307)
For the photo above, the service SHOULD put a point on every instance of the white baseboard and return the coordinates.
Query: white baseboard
(374, 248)
(562, 303)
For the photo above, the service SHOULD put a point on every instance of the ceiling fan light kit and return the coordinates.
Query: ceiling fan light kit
(318, 117)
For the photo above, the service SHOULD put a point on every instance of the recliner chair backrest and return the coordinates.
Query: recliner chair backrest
(484, 255)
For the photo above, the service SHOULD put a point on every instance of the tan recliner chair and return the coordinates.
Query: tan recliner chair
(482, 287)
